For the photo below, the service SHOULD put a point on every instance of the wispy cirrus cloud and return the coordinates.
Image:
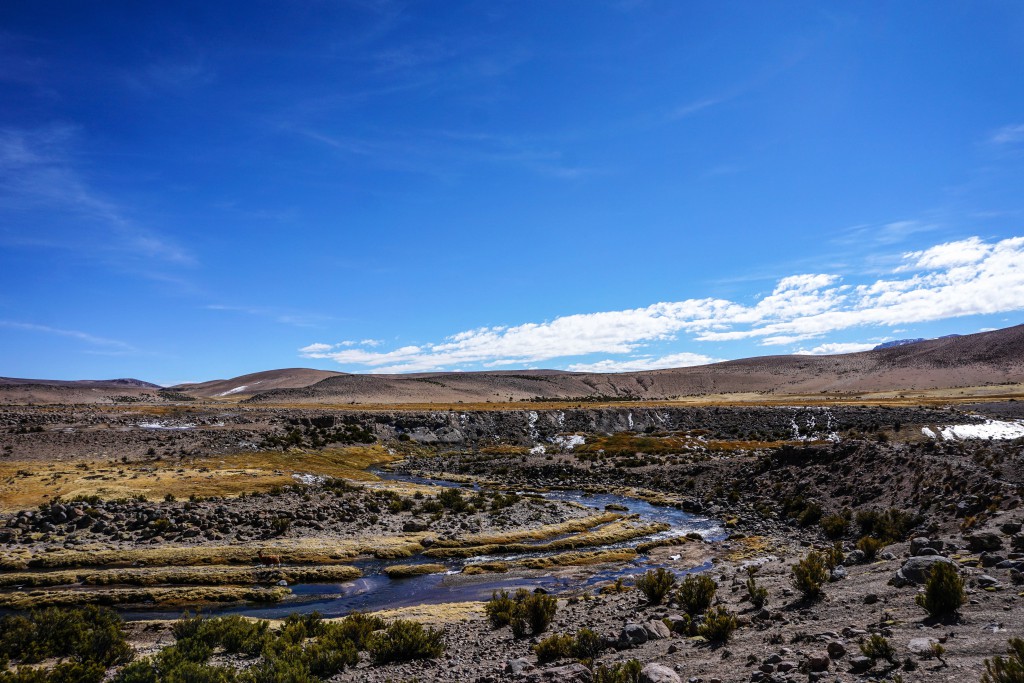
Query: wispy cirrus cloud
(39, 178)
(278, 315)
(110, 345)
(1009, 135)
(954, 279)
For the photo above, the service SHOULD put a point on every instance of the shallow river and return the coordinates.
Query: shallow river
(375, 591)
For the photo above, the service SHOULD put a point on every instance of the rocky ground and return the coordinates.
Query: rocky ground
(783, 481)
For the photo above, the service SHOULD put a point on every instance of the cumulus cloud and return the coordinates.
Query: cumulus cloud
(675, 360)
(967, 277)
(828, 349)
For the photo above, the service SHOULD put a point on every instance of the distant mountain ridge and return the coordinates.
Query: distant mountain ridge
(904, 342)
(986, 358)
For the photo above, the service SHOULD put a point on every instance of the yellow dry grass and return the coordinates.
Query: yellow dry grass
(570, 559)
(443, 613)
(177, 596)
(26, 485)
(613, 532)
(404, 571)
(195, 576)
(295, 551)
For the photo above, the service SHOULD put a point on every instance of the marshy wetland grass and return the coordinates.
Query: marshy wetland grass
(185, 575)
(168, 597)
(24, 487)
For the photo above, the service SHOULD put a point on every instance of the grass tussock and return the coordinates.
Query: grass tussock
(194, 576)
(404, 571)
(166, 596)
(615, 532)
(540, 533)
(297, 552)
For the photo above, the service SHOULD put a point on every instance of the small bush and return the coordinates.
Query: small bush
(878, 647)
(943, 591)
(718, 625)
(810, 574)
(624, 672)
(553, 648)
(522, 610)
(870, 546)
(655, 584)
(405, 640)
(588, 644)
(834, 526)
(696, 593)
(758, 594)
(1009, 670)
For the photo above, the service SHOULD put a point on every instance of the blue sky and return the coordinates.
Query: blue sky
(199, 190)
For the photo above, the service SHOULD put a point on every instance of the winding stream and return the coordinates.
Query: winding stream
(375, 591)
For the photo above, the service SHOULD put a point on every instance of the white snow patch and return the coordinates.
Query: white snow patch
(569, 442)
(164, 425)
(929, 433)
(538, 450)
(990, 429)
(309, 479)
(234, 391)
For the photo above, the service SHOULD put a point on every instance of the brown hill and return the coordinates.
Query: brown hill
(247, 385)
(14, 390)
(972, 360)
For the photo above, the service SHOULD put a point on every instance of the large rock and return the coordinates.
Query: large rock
(917, 569)
(657, 630)
(570, 673)
(658, 673)
(633, 635)
(984, 541)
(921, 646)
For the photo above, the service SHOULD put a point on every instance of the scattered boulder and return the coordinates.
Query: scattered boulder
(917, 569)
(656, 630)
(658, 673)
(921, 646)
(570, 673)
(984, 541)
(819, 662)
(632, 635)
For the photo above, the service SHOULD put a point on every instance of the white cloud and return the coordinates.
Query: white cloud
(970, 250)
(113, 345)
(675, 360)
(828, 349)
(1009, 134)
(967, 277)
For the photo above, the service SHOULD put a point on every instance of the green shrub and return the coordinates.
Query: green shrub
(655, 584)
(1009, 670)
(758, 594)
(357, 627)
(810, 574)
(718, 625)
(522, 610)
(539, 610)
(834, 526)
(623, 672)
(870, 546)
(89, 635)
(64, 672)
(810, 515)
(588, 644)
(890, 525)
(943, 591)
(878, 647)
(554, 647)
(696, 593)
(404, 640)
